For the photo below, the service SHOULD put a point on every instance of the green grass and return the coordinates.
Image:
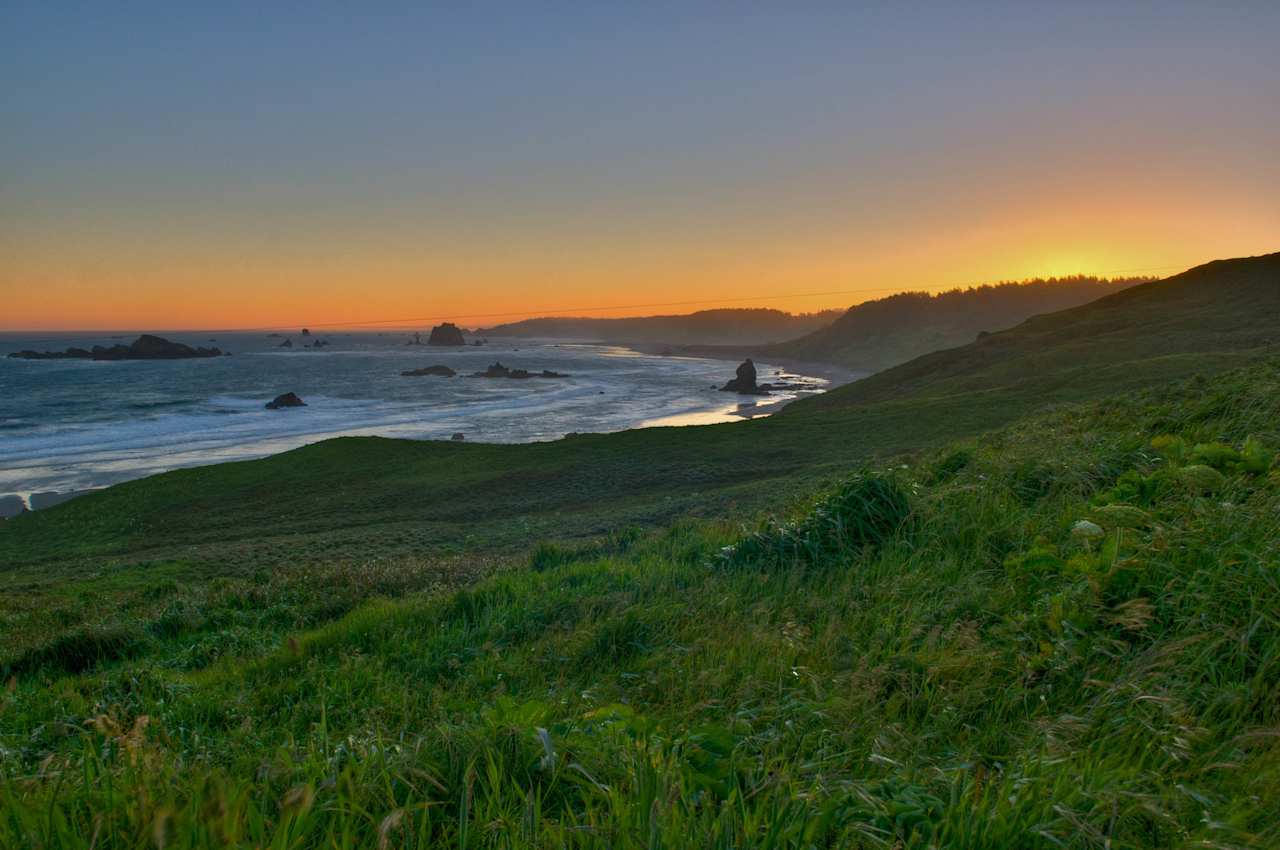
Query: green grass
(357, 498)
(1211, 315)
(1018, 594)
(932, 654)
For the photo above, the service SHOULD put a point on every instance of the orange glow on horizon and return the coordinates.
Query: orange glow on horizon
(343, 301)
(452, 164)
(136, 276)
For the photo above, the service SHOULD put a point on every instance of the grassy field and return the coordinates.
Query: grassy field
(930, 655)
(367, 497)
(605, 641)
(141, 546)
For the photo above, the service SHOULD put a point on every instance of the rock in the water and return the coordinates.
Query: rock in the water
(145, 347)
(306, 332)
(288, 343)
(442, 371)
(745, 382)
(497, 370)
(286, 400)
(446, 334)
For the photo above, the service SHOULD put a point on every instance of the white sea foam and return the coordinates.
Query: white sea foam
(71, 425)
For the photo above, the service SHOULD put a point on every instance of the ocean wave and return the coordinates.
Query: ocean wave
(91, 432)
(160, 405)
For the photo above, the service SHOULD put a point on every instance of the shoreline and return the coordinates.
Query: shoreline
(836, 376)
(731, 407)
(760, 406)
(18, 503)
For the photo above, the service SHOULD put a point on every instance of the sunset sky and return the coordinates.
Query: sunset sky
(232, 165)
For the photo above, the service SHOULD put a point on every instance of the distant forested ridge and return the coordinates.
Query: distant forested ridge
(1206, 318)
(751, 326)
(878, 334)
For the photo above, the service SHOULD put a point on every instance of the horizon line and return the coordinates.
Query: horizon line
(413, 322)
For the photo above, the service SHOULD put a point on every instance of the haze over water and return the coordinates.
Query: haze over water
(78, 424)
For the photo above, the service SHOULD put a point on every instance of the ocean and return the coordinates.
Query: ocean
(73, 425)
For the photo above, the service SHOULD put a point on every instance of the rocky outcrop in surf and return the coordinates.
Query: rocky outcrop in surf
(497, 370)
(446, 334)
(442, 371)
(287, 400)
(145, 347)
(744, 382)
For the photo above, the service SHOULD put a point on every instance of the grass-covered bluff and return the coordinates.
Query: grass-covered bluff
(1063, 633)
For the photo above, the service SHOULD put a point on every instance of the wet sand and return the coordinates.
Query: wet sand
(769, 370)
(836, 375)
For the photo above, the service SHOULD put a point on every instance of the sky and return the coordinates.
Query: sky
(228, 165)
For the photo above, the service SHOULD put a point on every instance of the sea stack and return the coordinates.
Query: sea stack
(745, 382)
(446, 334)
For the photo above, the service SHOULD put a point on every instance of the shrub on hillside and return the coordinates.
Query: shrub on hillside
(866, 511)
(81, 650)
(547, 556)
(949, 467)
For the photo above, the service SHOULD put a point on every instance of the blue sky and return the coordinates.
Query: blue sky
(551, 152)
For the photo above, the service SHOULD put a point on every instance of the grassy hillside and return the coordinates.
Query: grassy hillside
(360, 497)
(749, 326)
(374, 642)
(391, 498)
(878, 334)
(1214, 312)
(937, 653)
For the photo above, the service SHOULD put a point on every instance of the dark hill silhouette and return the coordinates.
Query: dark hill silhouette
(754, 326)
(1200, 320)
(878, 334)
